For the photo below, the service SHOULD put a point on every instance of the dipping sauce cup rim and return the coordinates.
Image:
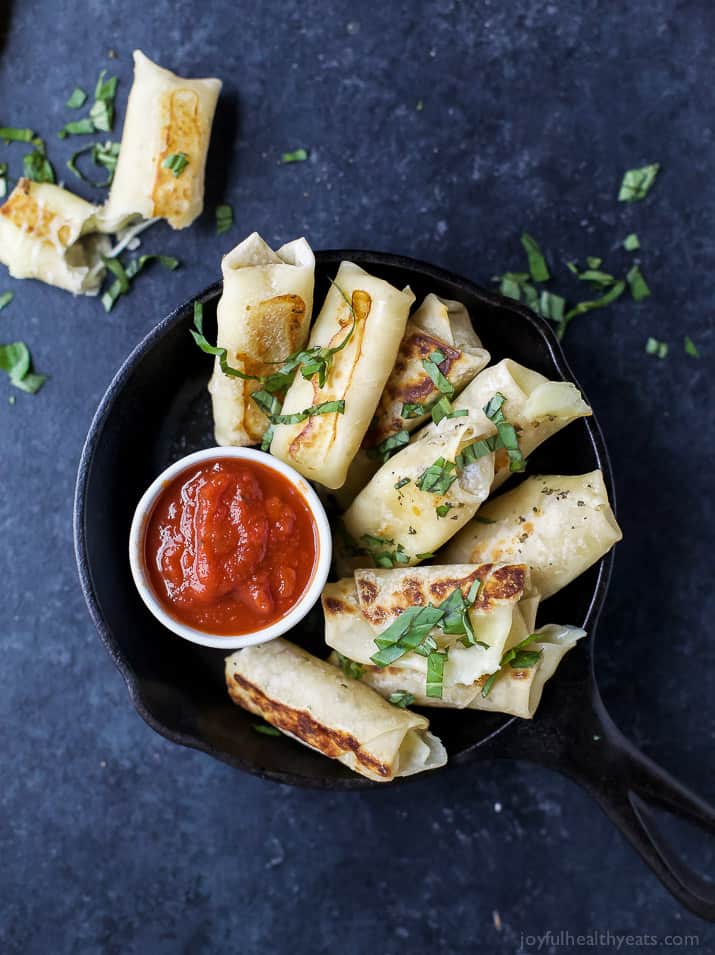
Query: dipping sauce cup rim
(307, 599)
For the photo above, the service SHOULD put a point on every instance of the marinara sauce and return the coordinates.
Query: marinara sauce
(230, 546)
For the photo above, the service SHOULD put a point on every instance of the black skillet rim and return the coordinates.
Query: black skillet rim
(387, 259)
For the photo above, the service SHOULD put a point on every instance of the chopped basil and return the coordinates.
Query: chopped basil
(690, 347)
(631, 242)
(401, 483)
(435, 673)
(443, 409)
(350, 668)
(657, 348)
(378, 549)
(419, 106)
(477, 449)
(78, 127)
(518, 657)
(176, 162)
(325, 407)
(390, 445)
(638, 285)
(506, 432)
(11, 134)
(77, 99)
(406, 633)
(16, 361)
(266, 729)
(5, 299)
(298, 155)
(102, 111)
(537, 263)
(438, 477)
(36, 166)
(224, 218)
(105, 155)
(401, 698)
(443, 510)
(593, 261)
(124, 276)
(611, 295)
(431, 366)
(637, 183)
(425, 556)
(552, 306)
(596, 277)
(413, 409)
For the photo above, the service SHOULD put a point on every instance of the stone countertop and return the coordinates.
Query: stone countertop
(441, 130)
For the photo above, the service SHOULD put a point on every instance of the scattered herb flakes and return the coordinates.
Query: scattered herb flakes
(11, 134)
(637, 183)
(537, 263)
(77, 98)
(298, 155)
(102, 111)
(435, 673)
(5, 299)
(403, 482)
(78, 127)
(552, 306)
(224, 218)
(104, 155)
(438, 477)
(657, 348)
(689, 346)
(518, 657)
(614, 292)
(631, 242)
(36, 166)
(637, 284)
(266, 729)
(401, 698)
(391, 445)
(177, 163)
(596, 277)
(350, 667)
(124, 276)
(16, 361)
(442, 510)
(379, 549)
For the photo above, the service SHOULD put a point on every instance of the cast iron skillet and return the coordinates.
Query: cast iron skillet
(157, 410)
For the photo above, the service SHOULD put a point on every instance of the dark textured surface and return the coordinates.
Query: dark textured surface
(113, 840)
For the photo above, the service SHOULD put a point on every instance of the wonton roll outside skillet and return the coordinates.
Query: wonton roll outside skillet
(516, 690)
(358, 612)
(45, 234)
(315, 703)
(559, 525)
(263, 316)
(167, 116)
(369, 326)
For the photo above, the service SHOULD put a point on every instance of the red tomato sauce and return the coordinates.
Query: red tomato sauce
(230, 546)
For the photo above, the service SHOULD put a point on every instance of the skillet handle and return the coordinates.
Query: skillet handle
(591, 749)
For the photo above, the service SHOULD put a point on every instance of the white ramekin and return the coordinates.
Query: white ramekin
(311, 593)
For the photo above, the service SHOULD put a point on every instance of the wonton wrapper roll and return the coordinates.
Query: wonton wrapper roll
(558, 525)
(537, 407)
(323, 446)
(408, 516)
(356, 611)
(516, 691)
(314, 702)
(44, 234)
(263, 316)
(437, 325)
(166, 115)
